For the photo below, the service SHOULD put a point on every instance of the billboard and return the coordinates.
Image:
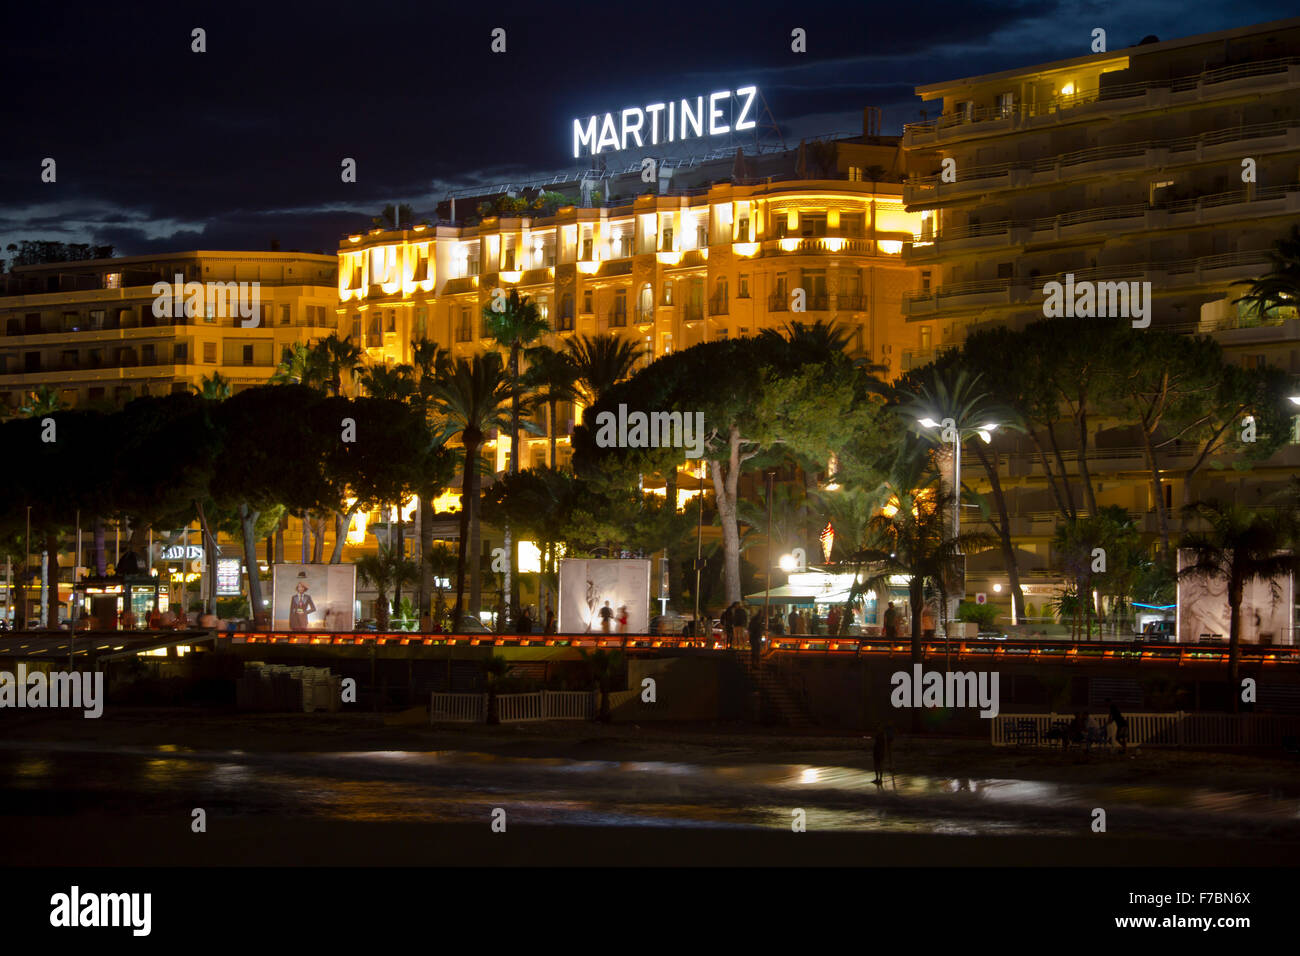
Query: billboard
(313, 597)
(230, 577)
(604, 596)
(1266, 617)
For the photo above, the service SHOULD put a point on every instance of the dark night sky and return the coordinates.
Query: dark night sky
(162, 149)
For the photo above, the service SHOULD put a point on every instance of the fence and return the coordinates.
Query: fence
(1178, 729)
(515, 708)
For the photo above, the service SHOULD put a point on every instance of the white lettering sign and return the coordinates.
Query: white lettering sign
(687, 118)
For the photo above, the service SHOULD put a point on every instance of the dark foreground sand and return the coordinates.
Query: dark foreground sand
(166, 841)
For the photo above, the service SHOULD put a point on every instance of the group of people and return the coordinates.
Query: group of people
(1081, 731)
(526, 621)
(739, 625)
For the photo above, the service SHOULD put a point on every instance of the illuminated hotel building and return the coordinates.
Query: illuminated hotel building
(1124, 165)
(667, 269)
(89, 329)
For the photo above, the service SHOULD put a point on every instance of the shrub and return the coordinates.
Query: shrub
(982, 614)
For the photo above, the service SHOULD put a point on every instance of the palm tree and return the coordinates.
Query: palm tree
(43, 400)
(215, 387)
(601, 362)
(470, 396)
(336, 355)
(440, 563)
(515, 327)
(392, 382)
(385, 570)
(392, 217)
(299, 365)
(554, 378)
(945, 390)
(1280, 286)
(1238, 546)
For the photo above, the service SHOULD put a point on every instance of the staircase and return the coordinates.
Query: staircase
(775, 695)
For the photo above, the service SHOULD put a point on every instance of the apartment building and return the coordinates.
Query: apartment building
(91, 329)
(1175, 163)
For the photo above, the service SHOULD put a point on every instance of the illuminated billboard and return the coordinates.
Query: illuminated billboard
(313, 597)
(604, 596)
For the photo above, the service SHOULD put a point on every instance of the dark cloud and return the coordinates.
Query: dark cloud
(160, 148)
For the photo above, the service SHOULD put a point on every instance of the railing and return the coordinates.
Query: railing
(778, 302)
(617, 318)
(514, 708)
(1165, 729)
(462, 708)
(719, 305)
(1116, 92)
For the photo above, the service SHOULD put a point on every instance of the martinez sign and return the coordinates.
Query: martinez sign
(663, 123)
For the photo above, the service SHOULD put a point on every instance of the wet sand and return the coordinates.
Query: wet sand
(706, 744)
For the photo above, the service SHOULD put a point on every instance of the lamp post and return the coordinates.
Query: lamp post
(767, 594)
(699, 551)
(949, 427)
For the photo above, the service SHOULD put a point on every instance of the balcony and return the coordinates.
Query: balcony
(778, 302)
(692, 312)
(617, 318)
(645, 316)
(719, 305)
(816, 245)
(1155, 94)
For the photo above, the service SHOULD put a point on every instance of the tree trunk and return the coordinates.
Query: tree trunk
(318, 542)
(209, 549)
(1234, 643)
(1157, 490)
(279, 539)
(724, 487)
(248, 523)
(381, 609)
(342, 519)
(471, 441)
(52, 578)
(1067, 495)
(553, 409)
(101, 552)
(426, 549)
(1003, 528)
(1089, 497)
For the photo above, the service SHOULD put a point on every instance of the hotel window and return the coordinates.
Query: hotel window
(95, 394)
(1159, 192)
(851, 224)
(1005, 270)
(247, 354)
(588, 245)
(855, 174)
(812, 224)
(565, 322)
(95, 358)
(618, 316)
(925, 338)
(645, 306)
(112, 280)
(587, 305)
(180, 354)
(285, 315)
(925, 281)
(210, 352)
(1005, 104)
(742, 289)
(719, 305)
(965, 109)
(266, 317)
(356, 327)
(666, 240)
(701, 236)
(742, 230)
(392, 321)
(464, 328)
(373, 326)
(927, 225)
(668, 293)
(781, 285)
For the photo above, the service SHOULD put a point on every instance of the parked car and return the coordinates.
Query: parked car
(471, 625)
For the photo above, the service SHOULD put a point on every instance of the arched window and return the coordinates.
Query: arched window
(645, 304)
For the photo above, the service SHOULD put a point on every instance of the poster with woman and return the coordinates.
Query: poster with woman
(313, 597)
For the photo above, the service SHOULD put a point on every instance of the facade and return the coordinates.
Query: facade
(666, 271)
(1120, 166)
(89, 329)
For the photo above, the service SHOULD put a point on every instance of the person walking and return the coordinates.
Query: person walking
(739, 619)
(833, 622)
(795, 627)
(550, 619)
(606, 617)
(725, 621)
(891, 621)
(1121, 726)
(756, 629)
(878, 747)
